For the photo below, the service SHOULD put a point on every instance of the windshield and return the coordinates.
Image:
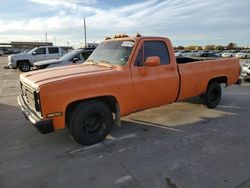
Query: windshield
(112, 52)
(31, 51)
(69, 55)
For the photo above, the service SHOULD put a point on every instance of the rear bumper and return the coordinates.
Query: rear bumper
(43, 125)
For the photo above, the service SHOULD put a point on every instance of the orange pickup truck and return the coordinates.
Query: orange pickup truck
(123, 75)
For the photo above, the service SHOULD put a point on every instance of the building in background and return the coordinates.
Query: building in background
(17, 47)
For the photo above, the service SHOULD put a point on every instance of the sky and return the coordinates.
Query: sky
(185, 22)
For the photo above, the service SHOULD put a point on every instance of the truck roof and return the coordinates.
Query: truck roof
(136, 38)
(49, 46)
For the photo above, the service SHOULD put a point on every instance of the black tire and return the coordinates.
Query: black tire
(90, 122)
(24, 66)
(246, 79)
(212, 96)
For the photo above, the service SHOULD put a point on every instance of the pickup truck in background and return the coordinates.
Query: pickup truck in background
(73, 57)
(24, 61)
(123, 75)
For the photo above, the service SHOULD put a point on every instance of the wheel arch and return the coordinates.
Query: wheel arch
(109, 100)
(219, 79)
(23, 60)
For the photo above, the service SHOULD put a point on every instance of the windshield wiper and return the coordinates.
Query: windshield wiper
(107, 62)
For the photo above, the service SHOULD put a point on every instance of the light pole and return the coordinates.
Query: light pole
(85, 34)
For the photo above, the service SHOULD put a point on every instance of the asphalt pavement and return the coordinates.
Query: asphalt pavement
(182, 145)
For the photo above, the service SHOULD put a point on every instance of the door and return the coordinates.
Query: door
(53, 53)
(154, 85)
(39, 55)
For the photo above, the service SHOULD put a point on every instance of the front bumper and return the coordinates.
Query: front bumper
(12, 64)
(43, 125)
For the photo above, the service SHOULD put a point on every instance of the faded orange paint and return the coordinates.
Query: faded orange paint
(135, 88)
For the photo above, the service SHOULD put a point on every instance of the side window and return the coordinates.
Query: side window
(156, 48)
(139, 58)
(78, 56)
(86, 54)
(53, 50)
(41, 51)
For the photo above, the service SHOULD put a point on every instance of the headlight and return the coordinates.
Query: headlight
(37, 101)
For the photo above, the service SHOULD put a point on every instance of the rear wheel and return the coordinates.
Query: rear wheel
(90, 122)
(212, 96)
(24, 66)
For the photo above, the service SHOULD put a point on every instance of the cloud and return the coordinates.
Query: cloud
(66, 3)
(185, 22)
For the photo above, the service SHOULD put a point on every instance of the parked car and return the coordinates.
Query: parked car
(73, 57)
(218, 52)
(245, 71)
(123, 75)
(1, 52)
(229, 54)
(24, 61)
(182, 53)
(243, 54)
(206, 54)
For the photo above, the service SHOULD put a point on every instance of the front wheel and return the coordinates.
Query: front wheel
(212, 96)
(24, 66)
(90, 122)
(246, 79)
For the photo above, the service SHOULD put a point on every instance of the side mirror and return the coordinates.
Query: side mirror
(33, 53)
(153, 61)
(75, 59)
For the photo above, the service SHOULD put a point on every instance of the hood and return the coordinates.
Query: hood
(47, 62)
(17, 56)
(37, 78)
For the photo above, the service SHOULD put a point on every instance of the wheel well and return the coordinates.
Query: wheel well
(221, 80)
(109, 100)
(20, 61)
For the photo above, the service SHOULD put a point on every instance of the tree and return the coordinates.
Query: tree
(209, 47)
(192, 47)
(219, 47)
(180, 47)
(231, 46)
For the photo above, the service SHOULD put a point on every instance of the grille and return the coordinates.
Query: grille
(28, 95)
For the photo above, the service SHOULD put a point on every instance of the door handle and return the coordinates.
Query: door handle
(169, 68)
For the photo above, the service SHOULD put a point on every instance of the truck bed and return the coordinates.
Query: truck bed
(195, 76)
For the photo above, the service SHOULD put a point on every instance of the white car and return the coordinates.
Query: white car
(24, 61)
(243, 54)
(229, 54)
(245, 71)
(182, 53)
(73, 57)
